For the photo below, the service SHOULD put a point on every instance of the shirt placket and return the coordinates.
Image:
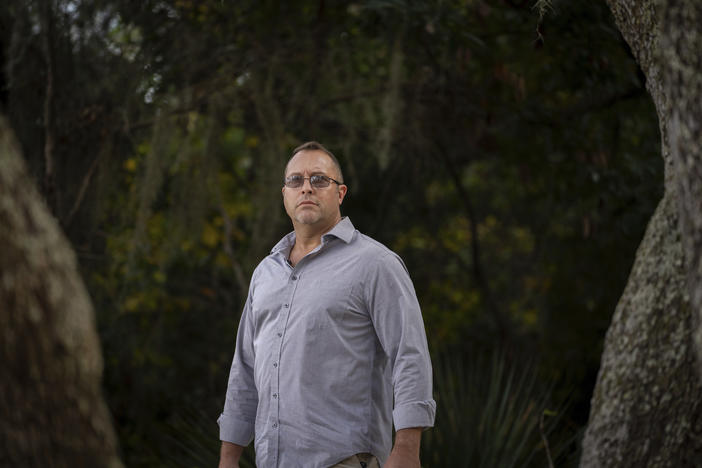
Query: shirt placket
(293, 280)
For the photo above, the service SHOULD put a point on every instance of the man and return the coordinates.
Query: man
(331, 348)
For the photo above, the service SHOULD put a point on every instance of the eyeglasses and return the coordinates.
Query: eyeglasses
(317, 181)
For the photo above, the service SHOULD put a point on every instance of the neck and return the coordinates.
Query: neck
(308, 236)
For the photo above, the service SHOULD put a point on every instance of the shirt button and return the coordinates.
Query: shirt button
(286, 305)
(275, 364)
(293, 277)
(275, 395)
(280, 334)
(275, 425)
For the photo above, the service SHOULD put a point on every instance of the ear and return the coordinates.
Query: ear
(342, 193)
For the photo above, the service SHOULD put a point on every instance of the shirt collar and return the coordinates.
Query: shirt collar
(344, 230)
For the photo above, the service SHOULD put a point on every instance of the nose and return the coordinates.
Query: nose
(306, 185)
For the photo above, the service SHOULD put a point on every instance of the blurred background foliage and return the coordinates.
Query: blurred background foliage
(509, 153)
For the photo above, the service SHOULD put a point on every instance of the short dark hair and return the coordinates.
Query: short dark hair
(316, 146)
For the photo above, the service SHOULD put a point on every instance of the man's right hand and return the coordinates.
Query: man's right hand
(229, 455)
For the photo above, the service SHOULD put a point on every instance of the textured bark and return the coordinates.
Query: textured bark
(646, 407)
(681, 52)
(647, 401)
(51, 409)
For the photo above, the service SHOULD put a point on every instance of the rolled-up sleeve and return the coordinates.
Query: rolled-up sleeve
(398, 323)
(237, 421)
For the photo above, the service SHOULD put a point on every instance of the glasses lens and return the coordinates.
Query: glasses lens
(319, 181)
(294, 181)
(316, 181)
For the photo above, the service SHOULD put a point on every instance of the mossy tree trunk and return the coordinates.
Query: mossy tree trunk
(647, 404)
(51, 409)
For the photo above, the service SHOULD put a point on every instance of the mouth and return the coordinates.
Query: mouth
(306, 203)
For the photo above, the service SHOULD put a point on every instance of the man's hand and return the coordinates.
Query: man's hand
(229, 455)
(405, 453)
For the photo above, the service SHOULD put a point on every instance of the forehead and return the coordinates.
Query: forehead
(310, 161)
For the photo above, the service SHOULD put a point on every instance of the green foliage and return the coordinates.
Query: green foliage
(493, 412)
(510, 157)
(188, 439)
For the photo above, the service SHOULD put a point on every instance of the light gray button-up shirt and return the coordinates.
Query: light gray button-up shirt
(323, 350)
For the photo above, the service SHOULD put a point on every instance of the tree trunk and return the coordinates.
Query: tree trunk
(51, 409)
(681, 52)
(647, 404)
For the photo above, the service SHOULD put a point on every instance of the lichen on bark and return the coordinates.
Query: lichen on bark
(646, 407)
(647, 401)
(681, 52)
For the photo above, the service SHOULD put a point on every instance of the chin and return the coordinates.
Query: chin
(308, 219)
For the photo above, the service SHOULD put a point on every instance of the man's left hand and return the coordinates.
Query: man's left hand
(405, 453)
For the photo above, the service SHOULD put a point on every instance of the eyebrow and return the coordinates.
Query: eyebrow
(311, 174)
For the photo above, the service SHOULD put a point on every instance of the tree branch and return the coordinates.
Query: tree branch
(49, 176)
(477, 267)
(83, 189)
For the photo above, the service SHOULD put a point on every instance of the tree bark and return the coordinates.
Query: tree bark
(681, 52)
(647, 403)
(51, 409)
(646, 408)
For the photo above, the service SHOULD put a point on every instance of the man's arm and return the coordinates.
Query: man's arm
(229, 455)
(405, 453)
(237, 422)
(399, 326)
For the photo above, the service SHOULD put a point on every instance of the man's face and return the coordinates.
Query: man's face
(307, 204)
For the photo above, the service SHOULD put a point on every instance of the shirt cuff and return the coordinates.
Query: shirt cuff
(415, 414)
(235, 430)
